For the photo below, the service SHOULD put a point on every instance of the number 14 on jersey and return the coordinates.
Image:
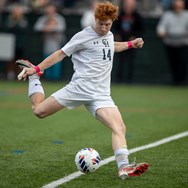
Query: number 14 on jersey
(106, 54)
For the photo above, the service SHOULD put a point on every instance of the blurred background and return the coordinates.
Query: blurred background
(33, 29)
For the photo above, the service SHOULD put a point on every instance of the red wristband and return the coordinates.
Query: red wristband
(37, 69)
(130, 44)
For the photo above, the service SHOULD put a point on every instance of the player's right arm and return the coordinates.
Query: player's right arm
(52, 59)
(46, 63)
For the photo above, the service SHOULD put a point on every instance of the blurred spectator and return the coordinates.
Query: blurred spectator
(88, 18)
(173, 29)
(16, 23)
(2, 4)
(38, 5)
(52, 25)
(150, 8)
(128, 26)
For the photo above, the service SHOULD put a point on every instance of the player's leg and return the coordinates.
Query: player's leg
(111, 117)
(107, 112)
(46, 107)
(41, 107)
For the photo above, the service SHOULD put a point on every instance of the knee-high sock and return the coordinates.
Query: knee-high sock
(35, 85)
(121, 156)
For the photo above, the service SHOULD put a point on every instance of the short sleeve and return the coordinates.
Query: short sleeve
(75, 44)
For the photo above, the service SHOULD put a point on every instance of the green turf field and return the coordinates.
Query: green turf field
(35, 152)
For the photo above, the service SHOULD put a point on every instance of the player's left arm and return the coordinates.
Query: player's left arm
(121, 46)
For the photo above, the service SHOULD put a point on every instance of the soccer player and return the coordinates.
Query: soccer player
(92, 51)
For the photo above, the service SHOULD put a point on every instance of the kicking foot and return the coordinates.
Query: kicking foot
(25, 64)
(133, 169)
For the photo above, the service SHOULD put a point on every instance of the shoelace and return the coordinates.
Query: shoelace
(133, 163)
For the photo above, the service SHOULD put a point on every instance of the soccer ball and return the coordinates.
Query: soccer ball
(87, 160)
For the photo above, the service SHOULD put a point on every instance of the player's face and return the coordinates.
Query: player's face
(102, 27)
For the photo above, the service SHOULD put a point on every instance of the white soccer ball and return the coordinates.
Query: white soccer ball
(87, 160)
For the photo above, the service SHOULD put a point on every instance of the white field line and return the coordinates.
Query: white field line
(110, 159)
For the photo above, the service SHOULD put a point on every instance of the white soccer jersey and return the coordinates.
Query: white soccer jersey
(92, 57)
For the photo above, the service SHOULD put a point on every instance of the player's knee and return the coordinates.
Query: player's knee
(119, 129)
(122, 128)
(39, 112)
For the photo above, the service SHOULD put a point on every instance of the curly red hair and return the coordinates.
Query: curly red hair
(106, 10)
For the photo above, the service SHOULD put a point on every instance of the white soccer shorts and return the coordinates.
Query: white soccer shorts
(72, 100)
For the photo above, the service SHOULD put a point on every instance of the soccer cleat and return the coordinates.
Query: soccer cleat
(133, 169)
(25, 63)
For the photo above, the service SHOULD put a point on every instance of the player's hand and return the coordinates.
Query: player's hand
(138, 43)
(26, 72)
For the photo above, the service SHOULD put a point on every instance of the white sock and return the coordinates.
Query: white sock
(121, 156)
(34, 85)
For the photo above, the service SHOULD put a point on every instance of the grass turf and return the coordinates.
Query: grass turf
(34, 152)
